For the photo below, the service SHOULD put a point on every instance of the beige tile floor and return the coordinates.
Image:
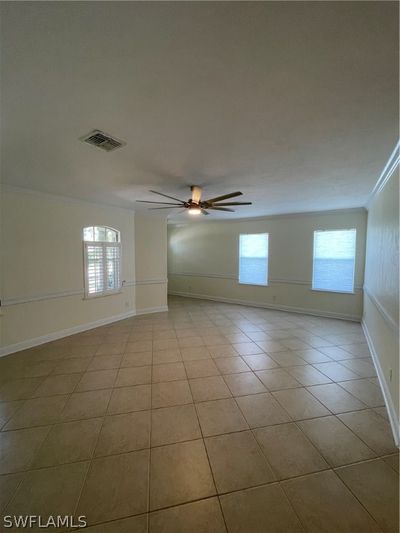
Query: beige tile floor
(207, 418)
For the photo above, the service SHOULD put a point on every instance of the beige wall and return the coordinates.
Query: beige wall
(203, 260)
(381, 294)
(150, 261)
(42, 267)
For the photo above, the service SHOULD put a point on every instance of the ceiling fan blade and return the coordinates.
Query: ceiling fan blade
(221, 209)
(223, 197)
(233, 203)
(196, 194)
(148, 202)
(172, 207)
(166, 196)
(204, 212)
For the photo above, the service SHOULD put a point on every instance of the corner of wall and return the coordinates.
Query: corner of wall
(381, 288)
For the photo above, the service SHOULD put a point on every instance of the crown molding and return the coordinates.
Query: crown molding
(387, 172)
(5, 187)
(351, 210)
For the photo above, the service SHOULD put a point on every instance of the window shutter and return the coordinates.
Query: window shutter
(113, 266)
(253, 259)
(94, 254)
(334, 260)
(102, 261)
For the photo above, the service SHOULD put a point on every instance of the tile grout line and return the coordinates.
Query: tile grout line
(207, 455)
(356, 497)
(330, 467)
(51, 426)
(252, 430)
(16, 490)
(197, 402)
(90, 465)
(150, 437)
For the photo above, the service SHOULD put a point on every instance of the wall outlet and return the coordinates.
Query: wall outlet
(126, 304)
(274, 298)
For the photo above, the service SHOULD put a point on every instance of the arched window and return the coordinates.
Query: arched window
(102, 253)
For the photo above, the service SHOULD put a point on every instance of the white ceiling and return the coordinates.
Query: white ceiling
(294, 104)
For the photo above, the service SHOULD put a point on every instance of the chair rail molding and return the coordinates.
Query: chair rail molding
(385, 315)
(235, 278)
(6, 302)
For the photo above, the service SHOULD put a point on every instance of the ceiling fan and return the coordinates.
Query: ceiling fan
(195, 205)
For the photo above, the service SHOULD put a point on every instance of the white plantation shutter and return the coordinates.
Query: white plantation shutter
(94, 254)
(112, 255)
(334, 260)
(102, 261)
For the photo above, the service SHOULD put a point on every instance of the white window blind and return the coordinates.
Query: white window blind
(102, 249)
(253, 259)
(334, 260)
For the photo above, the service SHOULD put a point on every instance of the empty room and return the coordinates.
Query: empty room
(199, 236)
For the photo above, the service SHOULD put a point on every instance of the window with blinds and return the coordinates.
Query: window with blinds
(253, 259)
(334, 260)
(102, 253)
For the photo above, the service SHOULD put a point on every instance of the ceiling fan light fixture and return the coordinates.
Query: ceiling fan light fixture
(194, 210)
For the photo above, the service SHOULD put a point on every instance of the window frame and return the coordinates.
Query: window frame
(104, 245)
(314, 289)
(266, 284)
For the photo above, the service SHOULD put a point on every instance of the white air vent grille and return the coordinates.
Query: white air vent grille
(102, 140)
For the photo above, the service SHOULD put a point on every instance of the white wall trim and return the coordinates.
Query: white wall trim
(394, 422)
(61, 197)
(39, 297)
(385, 315)
(149, 310)
(348, 210)
(72, 292)
(30, 343)
(387, 172)
(235, 278)
(72, 199)
(277, 307)
(151, 282)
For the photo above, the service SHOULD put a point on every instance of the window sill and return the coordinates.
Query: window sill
(102, 295)
(337, 292)
(253, 284)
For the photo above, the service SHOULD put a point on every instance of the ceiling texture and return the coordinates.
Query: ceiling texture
(293, 103)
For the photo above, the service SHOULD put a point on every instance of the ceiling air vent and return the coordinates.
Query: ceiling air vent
(102, 140)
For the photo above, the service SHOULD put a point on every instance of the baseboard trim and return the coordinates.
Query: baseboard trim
(37, 341)
(150, 310)
(394, 422)
(276, 307)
